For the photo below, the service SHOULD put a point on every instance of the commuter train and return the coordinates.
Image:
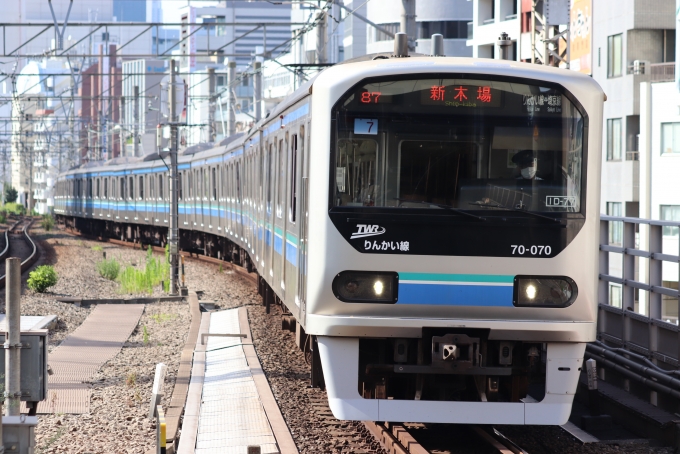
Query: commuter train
(430, 223)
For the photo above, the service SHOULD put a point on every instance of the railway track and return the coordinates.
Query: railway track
(409, 438)
(18, 243)
(392, 438)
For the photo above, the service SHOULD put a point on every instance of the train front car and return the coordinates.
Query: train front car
(453, 238)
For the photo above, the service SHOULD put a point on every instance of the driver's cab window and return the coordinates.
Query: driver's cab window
(356, 170)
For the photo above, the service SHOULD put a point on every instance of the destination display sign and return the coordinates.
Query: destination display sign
(461, 96)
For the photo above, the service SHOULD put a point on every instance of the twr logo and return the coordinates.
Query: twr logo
(364, 230)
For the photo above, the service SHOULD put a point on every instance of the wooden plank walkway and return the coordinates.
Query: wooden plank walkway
(84, 352)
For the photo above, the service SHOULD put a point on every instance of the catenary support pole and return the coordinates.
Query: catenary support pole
(13, 336)
(135, 134)
(212, 134)
(173, 238)
(257, 90)
(231, 113)
(121, 127)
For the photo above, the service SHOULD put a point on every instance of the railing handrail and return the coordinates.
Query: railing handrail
(643, 221)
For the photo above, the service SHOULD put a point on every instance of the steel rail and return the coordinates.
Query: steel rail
(33, 256)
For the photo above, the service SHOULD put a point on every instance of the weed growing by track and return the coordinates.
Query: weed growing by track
(47, 222)
(156, 270)
(108, 268)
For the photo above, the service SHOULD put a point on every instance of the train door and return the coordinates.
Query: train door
(239, 198)
(180, 200)
(269, 212)
(131, 205)
(277, 212)
(120, 191)
(214, 217)
(96, 203)
(303, 219)
(292, 225)
(164, 198)
(140, 205)
(221, 205)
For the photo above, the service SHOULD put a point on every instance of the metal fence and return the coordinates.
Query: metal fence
(632, 316)
(662, 72)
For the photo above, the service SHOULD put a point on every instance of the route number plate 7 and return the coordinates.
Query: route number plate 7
(366, 126)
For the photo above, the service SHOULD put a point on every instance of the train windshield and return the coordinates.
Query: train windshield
(460, 142)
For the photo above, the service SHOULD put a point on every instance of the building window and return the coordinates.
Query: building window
(615, 228)
(614, 139)
(615, 295)
(376, 35)
(614, 55)
(670, 213)
(453, 29)
(670, 138)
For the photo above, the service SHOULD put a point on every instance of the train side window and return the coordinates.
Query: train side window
(121, 192)
(131, 189)
(89, 188)
(179, 186)
(189, 186)
(214, 183)
(96, 193)
(141, 187)
(293, 178)
(152, 187)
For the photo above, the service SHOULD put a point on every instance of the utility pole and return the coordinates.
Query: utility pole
(231, 101)
(135, 138)
(13, 336)
(407, 23)
(211, 105)
(321, 56)
(173, 238)
(257, 90)
(121, 126)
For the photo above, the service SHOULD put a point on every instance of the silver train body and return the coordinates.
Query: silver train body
(432, 225)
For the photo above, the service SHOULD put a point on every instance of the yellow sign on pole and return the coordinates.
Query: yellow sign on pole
(581, 33)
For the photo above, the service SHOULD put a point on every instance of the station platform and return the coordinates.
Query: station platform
(230, 406)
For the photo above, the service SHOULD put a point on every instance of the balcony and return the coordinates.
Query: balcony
(662, 72)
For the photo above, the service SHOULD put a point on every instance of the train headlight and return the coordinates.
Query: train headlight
(366, 287)
(544, 291)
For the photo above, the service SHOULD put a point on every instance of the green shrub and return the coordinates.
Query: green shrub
(47, 222)
(3, 218)
(14, 208)
(42, 278)
(11, 194)
(108, 269)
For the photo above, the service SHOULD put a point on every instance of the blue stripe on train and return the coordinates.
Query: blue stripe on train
(455, 295)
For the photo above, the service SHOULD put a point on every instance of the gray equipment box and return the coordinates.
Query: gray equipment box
(33, 365)
(18, 433)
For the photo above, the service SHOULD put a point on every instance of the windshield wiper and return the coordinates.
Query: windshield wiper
(498, 205)
(446, 207)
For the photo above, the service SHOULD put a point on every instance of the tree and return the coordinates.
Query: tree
(11, 194)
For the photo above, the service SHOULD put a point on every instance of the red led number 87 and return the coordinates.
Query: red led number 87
(370, 96)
